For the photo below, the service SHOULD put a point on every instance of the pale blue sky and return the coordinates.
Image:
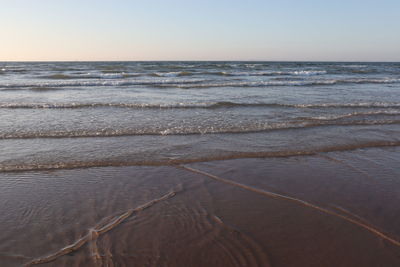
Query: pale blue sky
(345, 30)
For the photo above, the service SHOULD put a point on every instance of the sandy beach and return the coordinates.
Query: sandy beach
(330, 209)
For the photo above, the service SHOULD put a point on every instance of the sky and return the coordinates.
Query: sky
(284, 30)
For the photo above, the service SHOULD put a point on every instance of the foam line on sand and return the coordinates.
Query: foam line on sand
(93, 234)
(369, 228)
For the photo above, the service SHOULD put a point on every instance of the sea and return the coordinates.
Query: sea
(80, 114)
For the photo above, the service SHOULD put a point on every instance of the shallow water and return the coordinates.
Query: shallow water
(330, 209)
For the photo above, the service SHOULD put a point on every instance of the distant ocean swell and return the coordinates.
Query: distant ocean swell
(91, 76)
(121, 75)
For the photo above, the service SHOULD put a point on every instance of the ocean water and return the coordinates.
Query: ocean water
(77, 114)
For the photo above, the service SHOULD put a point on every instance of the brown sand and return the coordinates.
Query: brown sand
(331, 209)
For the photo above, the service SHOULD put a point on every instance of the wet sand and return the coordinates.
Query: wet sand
(328, 209)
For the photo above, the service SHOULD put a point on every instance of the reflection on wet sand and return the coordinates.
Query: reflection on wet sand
(94, 233)
(329, 209)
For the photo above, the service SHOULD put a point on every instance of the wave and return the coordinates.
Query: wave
(194, 105)
(353, 66)
(43, 89)
(192, 83)
(351, 115)
(60, 77)
(293, 72)
(239, 73)
(194, 130)
(100, 82)
(362, 81)
(227, 104)
(89, 76)
(349, 105)
(209, 105)
(361, 71)
(13, 70)
(280, 83)
(173, 74)
(226, 156)
(174, 67)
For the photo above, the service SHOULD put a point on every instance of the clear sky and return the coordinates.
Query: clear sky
(345, 30)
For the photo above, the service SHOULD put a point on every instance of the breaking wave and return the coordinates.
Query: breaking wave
(199, 130)
(193, 83)
(226, 156)
(195, 105)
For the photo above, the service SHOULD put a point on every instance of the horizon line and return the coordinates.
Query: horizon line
(175, 60)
